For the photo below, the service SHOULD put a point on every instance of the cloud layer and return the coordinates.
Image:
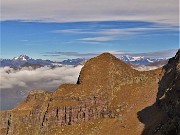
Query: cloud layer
(109, 34)
(16, 84)
(41, 78)
(146, 68)
(102, 10)
(118, 53)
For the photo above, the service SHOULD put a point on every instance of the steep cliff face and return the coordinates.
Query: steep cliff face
(168, 101)
(168, 97)
(105, 100)
(40, 112)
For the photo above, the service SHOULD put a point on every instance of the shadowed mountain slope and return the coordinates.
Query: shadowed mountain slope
(164, 114)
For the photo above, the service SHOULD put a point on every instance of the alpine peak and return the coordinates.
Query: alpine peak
(21, 58)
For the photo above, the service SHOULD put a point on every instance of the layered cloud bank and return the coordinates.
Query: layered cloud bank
(16, 84)
(146, 68)
(118, 53)
(159, 11)
(41, 78)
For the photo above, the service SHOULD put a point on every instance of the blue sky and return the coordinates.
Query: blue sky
(70, 31)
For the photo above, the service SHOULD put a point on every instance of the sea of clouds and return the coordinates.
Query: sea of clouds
(15, 84)
(41, 78)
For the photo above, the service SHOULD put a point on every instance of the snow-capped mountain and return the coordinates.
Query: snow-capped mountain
(21, 58)
(138, 60)
(25, 60)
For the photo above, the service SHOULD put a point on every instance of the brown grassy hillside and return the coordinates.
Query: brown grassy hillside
(105, 101)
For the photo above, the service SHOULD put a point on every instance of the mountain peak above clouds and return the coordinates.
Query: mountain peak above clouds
(131, 58)
(21, 58)
(139, 60)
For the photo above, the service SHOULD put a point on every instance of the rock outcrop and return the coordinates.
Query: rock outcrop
(105, 100)
(40, 112)
(167, 119)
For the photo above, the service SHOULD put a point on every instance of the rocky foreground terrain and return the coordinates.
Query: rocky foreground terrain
(164, 114)
(110, 98)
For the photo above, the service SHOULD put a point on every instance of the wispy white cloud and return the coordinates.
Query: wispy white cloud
(155, 54)
(160, 11)
(75, 31)
(109, 34)
(158, 54)
(118, 31)
(24, 40)
(93, 43)
(98, 39)
(76, 54)
(117, 52)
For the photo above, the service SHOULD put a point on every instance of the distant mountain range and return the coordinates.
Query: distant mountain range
(139, 60)
(73, 61)
(24, 60)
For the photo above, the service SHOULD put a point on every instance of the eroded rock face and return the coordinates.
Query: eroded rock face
(48, 113)
(168, 96)
(108, 95)
(84, 110)
(168, 101)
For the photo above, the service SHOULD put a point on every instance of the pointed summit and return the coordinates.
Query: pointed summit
(21, 58)
(107, 59)
(106, 54)
(102, 68)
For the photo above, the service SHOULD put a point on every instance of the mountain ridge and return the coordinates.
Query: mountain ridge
(108, 92)
(22, 59)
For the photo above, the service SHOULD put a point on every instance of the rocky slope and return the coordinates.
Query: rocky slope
(105, 100)
(166, 121)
